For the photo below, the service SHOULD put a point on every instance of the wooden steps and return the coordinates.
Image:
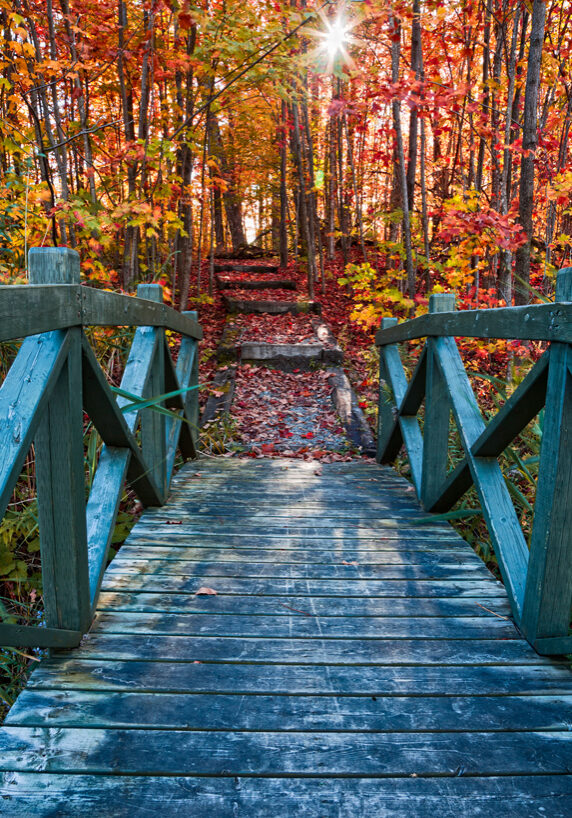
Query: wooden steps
(354, 659)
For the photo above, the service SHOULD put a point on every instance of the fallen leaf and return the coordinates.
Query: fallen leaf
(353, 562)
(204, 591)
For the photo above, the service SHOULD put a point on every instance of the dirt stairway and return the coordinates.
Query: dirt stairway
(280, 376)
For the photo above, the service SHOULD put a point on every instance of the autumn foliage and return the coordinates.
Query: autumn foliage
(153, 134)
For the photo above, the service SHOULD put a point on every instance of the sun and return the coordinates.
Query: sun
(333, 39)
(336, 37)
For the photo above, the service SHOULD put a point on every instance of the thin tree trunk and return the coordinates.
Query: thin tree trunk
(395, 57)
(414, 115)
(529, 142)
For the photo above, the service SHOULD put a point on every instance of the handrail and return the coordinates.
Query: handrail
(538, 581)
(53, 380)
(29, 310)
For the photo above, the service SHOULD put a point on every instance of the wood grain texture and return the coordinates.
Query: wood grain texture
(537, 322)
(69, 796)
(348, 661)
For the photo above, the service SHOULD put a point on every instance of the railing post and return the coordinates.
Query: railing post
(385, 404)
(548, 595)
(437, 412)
(60, 467)
(192, 398)
(153, 432)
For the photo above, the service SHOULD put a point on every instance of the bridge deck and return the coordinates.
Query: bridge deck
(351, 661)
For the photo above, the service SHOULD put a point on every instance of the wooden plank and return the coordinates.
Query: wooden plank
(302, 627)
(23, 397)
(303, 679)
(101, 512)
(102, 308)
(437, 412)
(60, 469)
(32, 310)
(534, 322)
(156, 752)
(519, 409)
(142, 563)
(100, 709)
(282, 554)
(555, 645)
(487, 607)
(110, 422)
(117, 579)
(304, 651)
(25, 636)
(388, 437)
(36, 309)
(68, 796)
(179, 434)
(61, 504)
(390, 541)
(548, 598)
(504, 528)
(153, 428)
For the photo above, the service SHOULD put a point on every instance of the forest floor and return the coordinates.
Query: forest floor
(285, 408)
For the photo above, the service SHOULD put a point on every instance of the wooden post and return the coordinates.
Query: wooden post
(385, 404)
(153, 432)
(548, 595)
(192, 398)
(437, 411)
(60, 467)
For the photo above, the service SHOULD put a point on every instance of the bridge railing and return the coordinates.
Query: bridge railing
(55, 379)
(538, 579)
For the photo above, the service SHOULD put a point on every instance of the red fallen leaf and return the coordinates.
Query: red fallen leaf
(353, 562)
(363, 404)
(267, 447)
(173, 522)
(204, 591)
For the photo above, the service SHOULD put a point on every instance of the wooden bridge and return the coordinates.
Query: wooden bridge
(281, 637)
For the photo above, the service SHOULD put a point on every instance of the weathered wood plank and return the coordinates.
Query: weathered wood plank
(548, 598)
(23, 397)
(118, 797)
(296, 651)
(281, 553)
(303, 627)
(344, 571)
(24, 636)
(153, 428)
(143, 563)
(134, 580)
(535, 322)
(101, 308)
(110, 422)
(487, 607)
(63, 708)
(32, 310)
(503, 524)
(156, 752)
(288, 679)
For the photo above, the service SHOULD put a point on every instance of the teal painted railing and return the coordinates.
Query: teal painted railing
(538, 580)
(54, 379)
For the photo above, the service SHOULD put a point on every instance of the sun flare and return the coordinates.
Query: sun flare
(336, 37)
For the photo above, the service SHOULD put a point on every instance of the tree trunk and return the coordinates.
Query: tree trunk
(396, 109)
(529, 142)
